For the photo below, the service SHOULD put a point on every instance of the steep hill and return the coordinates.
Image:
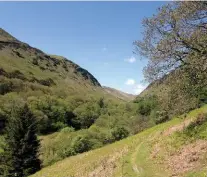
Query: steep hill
(68, 102)
(21, 61)
(168, 149)
(34, 65)
(119, 94)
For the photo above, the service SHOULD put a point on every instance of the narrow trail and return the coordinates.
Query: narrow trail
(136, 169)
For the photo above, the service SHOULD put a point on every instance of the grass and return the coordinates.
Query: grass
(129, 157)
(1, 143)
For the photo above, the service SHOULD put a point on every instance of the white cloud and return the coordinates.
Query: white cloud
(130, 82)
(139, 88)
(132, 59)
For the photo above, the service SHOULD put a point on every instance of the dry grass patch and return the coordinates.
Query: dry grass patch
(187, 158)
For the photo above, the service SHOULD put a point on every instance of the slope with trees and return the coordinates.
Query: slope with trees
(175, 42)
(73, 112)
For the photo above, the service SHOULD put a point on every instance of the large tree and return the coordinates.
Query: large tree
(175, 44)
(176, 36)
(22, 145)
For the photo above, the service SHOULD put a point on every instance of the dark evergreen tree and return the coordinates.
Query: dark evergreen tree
(22, 145)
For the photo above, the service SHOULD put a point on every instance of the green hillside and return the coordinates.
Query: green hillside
(69, 104)
(119, 94)
(56, 120)
(164, 150)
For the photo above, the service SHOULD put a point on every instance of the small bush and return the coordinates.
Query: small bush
(81, 144)
(35, 61)
(67, 129)
(58, 126)
(5, 87)
(146, 105)
(47, 82)
(17, 74)
(144, 109)
(161, 116)
(119, 133)
(200, 119)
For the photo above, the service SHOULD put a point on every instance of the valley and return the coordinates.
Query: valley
(58, 120)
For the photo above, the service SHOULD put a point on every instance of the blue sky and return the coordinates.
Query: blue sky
(96, 35)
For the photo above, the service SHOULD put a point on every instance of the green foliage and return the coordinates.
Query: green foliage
(5, 87)
(146, 104)
(81, 144)
(86, 114)
(58, 125)
(67, 129)
(52, 113)
(197, 128)
(22, 146)
(68, 103)
(119, 133)
(174, 42)
(46, 82)
(202, 94)
(160, 116)
(35, 61)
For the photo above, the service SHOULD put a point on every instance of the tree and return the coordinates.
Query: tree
(22, 145)
(81, 144)
(175, 37)
(175, 43)
(119, 133)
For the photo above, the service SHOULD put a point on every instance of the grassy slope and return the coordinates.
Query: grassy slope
(119, 94)
(129, 158)
(72, 81)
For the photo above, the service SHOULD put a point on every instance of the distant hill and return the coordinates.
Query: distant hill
(119, 94)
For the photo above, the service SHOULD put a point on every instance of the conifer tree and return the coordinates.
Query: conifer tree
(22, 145)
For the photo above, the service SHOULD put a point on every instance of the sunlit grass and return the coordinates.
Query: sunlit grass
(83, 164)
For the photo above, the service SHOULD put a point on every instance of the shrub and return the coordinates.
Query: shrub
(144, 109)
(200, 119)
(119, 133)
(146, 104)
(202, 97)
(161, 116)
(35, 61)
(17, 74)
(197, 128)
(67, 129)
(86, 114)
(46, 82)
(3, 118)
(81, 144)
(58, 126)
(5, 87)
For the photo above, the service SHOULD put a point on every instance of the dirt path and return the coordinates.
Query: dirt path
(176, 128)
(137, 169)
